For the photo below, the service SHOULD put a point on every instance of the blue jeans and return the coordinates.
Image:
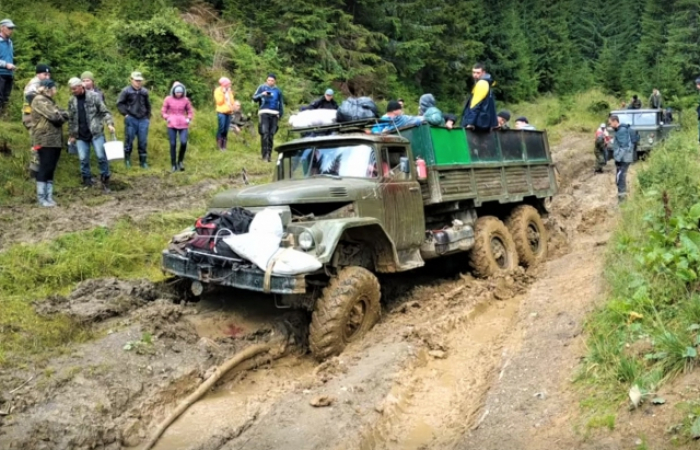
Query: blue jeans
(84, 154)
(224, 125)
(621, 177)
(172, 135)
(135, 128)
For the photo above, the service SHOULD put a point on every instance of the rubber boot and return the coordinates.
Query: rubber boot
(181, 157)
(220, 143)
(88, 181)
(105, 184)
(142, 161)
(49, 193)
(127, 160)
(224, 143)
(41, 194)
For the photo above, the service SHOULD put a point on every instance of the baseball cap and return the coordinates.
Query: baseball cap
(505, 115)
(329, 91)
(48, 84)
(7, 23)
(136, 76)
(522, 119)
(43, 68)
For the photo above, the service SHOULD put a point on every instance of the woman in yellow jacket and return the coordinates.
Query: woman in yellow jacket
(223, 96)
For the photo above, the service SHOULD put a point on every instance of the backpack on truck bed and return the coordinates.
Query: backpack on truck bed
(357, 109)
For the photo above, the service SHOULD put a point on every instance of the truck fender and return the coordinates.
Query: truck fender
(365, 230)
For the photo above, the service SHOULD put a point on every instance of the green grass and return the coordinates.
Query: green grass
(647, 331)
(127, 250)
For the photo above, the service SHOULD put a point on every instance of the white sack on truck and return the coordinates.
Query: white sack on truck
(313, 118)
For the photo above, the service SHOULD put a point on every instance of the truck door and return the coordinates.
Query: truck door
(401, 197)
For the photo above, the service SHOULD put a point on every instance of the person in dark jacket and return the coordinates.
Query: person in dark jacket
(480, 110)
(47, 138)
(88, 116)
(635, 103)
(503, 118)
(325, 102)
(623, 154)
(7, 61)
(602, 141)
(270, 111)
(135, 105)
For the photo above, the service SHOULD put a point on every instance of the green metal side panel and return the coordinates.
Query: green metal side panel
(421, 143)
(450, 146)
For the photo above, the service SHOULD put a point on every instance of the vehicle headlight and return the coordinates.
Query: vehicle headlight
(306, 240)
(651, 140)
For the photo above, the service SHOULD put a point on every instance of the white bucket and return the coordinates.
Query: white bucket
(114, 150)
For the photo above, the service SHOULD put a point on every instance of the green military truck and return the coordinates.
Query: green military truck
(366, 204)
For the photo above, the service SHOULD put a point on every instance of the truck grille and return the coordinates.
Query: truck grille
(338, 192)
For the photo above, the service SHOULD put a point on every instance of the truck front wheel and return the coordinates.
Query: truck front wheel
(348, 308)
(494, 251)
(529, 235)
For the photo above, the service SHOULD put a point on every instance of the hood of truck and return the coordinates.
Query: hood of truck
(288, 192)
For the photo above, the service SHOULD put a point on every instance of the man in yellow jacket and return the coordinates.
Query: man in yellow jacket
(480, 111)
(224, 98)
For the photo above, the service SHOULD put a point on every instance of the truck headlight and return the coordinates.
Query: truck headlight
(651, 140)
(306, 240)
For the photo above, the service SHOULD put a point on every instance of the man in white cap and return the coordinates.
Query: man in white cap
(88, 116)
(7, 60)
(325, 102)
(135, 105)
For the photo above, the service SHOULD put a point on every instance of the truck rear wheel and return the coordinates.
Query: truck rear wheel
(347, 310)
(529, 235)
(494, 251)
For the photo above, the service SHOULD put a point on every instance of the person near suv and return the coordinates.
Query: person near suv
(135, 105)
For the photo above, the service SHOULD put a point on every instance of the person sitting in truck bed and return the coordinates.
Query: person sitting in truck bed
(394, 119)
(521, 123)
(427, 107)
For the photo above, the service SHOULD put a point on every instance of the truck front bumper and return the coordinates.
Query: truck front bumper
(251, 279)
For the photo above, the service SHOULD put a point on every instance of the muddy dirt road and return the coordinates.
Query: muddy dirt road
(455, 362)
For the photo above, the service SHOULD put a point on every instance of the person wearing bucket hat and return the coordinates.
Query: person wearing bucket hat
(178, 113)
(223, 99)
(87, 117)
(7, 61)
(135, 105)
(271, 109)
(89, 83)
(47, 138)
(325, 102)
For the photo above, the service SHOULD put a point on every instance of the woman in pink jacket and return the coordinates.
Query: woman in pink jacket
(177, 112)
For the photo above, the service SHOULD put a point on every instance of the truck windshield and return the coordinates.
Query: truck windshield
(645, 119)
(357, 161)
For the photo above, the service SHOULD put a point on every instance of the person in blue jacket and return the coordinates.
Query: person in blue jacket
(623, 154)
(270, 111)
(394, 119)
(7, 61)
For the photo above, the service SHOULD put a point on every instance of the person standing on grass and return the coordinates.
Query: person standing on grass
(224, 98)
(47, 138)
(89, 84)
(271, 109)
(135, 105)
(623, 154)
(7, 60)
(43, 72)
(87, 117)
(178, 113)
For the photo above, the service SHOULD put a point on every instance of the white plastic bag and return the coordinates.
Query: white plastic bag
(257, 248)
(293, 262)
(313, 118)
(261, 241)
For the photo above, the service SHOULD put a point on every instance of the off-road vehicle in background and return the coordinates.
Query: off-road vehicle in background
(653, 126)
(367, 204)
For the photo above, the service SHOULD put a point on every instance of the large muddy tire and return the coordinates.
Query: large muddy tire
(529, 235)
(494, 250)
(347, 310)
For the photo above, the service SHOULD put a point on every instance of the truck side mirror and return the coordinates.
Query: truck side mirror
(404, 166)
